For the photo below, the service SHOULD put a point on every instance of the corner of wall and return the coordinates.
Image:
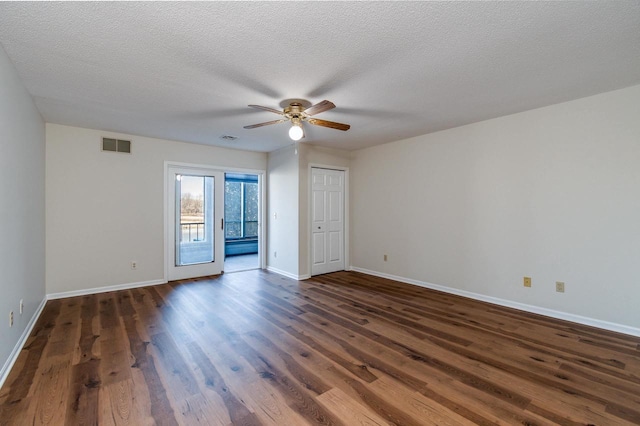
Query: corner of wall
(283, 175)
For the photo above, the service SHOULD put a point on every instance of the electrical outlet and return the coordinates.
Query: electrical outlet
(385, 257)
(21, 306)
(11, 319)
(527, 281)
(559, 286)
(134, 264)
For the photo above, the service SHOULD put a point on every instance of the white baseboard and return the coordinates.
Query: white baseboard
(619, 328)
(288, 274)
(13, 357)
(106, 289)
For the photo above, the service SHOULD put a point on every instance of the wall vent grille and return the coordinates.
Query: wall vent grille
(116, 145)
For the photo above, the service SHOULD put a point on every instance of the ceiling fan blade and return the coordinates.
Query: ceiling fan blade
(319, 107)
(331, 124)
(277, 111)
(253, 126)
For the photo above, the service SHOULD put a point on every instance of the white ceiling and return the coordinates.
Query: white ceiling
(186, 71)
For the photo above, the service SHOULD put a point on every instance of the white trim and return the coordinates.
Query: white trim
(347, 214)
(288, 274)
(96, 290)
(262, 229)
(223, 169)
(13, 357)
(606, 325)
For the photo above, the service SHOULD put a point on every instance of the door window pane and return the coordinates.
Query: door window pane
(194, 229)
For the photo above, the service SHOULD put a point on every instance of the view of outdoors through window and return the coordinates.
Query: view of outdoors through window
(241, 209)
(192, 208)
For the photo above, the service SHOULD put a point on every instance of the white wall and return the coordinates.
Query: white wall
(106, 209)
(552, 193)
(22, 214)
(282, 211)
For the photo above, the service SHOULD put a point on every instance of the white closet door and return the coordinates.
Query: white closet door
(327, 220)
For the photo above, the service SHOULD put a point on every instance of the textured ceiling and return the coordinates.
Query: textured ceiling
(186, 71)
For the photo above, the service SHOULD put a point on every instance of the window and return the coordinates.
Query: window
(241, 206)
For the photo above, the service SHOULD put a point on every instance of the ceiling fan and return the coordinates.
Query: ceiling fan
(297, 112)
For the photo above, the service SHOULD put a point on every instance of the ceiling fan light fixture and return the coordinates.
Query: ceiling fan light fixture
(297, 112)
(295, 132)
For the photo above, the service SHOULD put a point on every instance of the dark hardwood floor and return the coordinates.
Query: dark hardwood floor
(253, 348)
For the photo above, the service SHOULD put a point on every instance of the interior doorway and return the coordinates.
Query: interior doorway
(242, 222)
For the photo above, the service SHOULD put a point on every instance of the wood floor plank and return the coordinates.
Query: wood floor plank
(179, 378)
(200, 409)
(344, 407)
(252, 390)
(114, 353)
(237, 412)
(119, 405)
(49, 405)
(416, 404)
(257, 348)
(160, 407)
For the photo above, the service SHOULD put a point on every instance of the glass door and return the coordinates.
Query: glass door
(195, 222)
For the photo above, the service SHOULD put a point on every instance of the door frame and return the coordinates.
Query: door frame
(262, 231)
(347, 262)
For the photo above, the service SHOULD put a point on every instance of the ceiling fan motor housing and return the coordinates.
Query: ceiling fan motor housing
(294, 110)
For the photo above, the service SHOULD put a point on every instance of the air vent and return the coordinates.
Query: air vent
(116, 145)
